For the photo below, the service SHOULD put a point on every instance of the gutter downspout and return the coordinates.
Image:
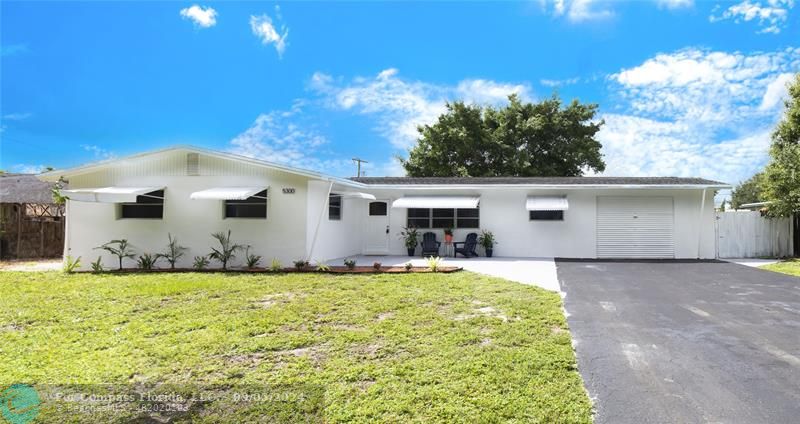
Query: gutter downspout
(700, 224)
(319, 222)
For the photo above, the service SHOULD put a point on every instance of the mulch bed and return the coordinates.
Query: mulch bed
(333, 270)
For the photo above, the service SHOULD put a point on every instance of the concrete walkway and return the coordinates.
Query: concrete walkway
(753, 262)
(540, 272)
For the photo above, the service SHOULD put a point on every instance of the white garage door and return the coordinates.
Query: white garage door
(635, 227)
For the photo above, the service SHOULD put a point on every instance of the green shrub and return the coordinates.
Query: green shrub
(70, 264)
(147, 261)
(276, 265)
(174, 251)
(226, 251)
(350, 263)
(119, 248)
(250, 259)
(97, 266)
(200, 263)
(434, 262)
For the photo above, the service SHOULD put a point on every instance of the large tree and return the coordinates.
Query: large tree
(782, 179)
(520, 139)
(748, 191)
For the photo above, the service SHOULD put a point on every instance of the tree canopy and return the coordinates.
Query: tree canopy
(748, 191)
(782, 177)
(520, 139)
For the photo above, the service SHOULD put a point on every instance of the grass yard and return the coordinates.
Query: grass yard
(791, 267)
(392, 348)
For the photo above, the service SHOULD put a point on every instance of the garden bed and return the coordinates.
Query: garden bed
(332, 270)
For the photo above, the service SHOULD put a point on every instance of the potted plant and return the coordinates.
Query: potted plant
(487, 241)
(448, 235)
(410, 237)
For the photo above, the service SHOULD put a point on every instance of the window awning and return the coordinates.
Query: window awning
(443, 202)
(108, 194)
(547, 203)
(357, 195)
(226, 193)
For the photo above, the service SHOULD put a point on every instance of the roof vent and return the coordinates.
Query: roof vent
(192, 164)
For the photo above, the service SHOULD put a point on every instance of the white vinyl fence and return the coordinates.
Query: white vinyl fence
(746, 234)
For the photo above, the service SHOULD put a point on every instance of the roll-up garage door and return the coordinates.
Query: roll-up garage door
(635, 227)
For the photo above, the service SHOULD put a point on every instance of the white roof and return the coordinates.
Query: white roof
(108, 194)
(444, 202)
(227, 193)
(547, 203)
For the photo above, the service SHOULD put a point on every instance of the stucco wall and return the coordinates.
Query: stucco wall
(282, 235)
(335, 239)
(503, 212)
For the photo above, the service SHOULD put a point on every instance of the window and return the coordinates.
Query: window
(253, 207)
(443, 218)
(335, 207)
(546, 215)
(377, 209)
(148, 206)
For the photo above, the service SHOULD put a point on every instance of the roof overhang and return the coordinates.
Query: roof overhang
(427, 187)
(108, 194)
(546, 203)
(444, 202)
(357, 195)
(227, 193)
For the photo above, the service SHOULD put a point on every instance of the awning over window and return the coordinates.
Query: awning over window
(357, 195)
(547, 203)
(443, 202)
(108, 194)
(226, 193)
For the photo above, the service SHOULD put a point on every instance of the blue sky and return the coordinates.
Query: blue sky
(686, 88)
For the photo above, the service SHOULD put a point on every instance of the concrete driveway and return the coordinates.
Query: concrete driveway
(685, 342)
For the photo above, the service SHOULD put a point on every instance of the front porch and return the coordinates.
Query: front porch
(540, 272)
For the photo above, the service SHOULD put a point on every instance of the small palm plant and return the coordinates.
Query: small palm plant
(434, 263)
(251, 259)
(147, 261)
(119, 248)
(174, 251)
(97, 266)
(350, 263)
(227, 250)
(276, 265)
(71, 264)
(200, 263)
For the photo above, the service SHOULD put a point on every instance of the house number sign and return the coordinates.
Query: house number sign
(288, 190)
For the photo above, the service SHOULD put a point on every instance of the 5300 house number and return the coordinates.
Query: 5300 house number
(288, 190)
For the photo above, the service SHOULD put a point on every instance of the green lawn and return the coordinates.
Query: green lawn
(392, 348)
(791, 267)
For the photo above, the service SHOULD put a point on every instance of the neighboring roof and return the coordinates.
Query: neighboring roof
(541, 181)
(24, 188)
(754, 205)
(83, 169)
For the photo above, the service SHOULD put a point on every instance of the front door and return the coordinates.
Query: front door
(376, 240)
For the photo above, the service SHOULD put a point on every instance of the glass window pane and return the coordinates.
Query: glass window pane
(444, 213)
(377, 209)
(469, 213)
(245, 211)
(443, 223)
(546, 215)
(131, 210)
(418, 223)
(419, 213)
(468, 223)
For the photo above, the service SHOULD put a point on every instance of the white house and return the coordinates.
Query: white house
(291, 214)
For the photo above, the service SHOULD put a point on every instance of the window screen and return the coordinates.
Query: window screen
(377, 209)
(252, 207)
(147, 206)
(335, 207)
(546, 215)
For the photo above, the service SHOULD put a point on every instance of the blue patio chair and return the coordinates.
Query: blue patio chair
(430, 247)
(468, 249)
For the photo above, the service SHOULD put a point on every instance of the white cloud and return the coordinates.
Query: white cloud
(771, 15)
(675, 4)
(265, 29)
(559, 83)
(579, 10)
(23, 168)
(696, 113)
(17, 116)
(401, 105)
(777, 91)
(203, 17)
(284, 137)
(98, 152)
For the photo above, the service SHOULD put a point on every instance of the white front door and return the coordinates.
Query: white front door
(376, 239)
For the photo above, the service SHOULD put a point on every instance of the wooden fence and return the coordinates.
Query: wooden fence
(31, 231)
(746, 234)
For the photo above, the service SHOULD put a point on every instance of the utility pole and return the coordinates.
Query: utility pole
(359, 162)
